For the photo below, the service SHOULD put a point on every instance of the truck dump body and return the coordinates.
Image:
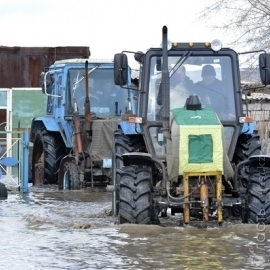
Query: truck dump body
(21, 66)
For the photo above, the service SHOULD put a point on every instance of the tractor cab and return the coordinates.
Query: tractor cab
(106, 99)
(203, 69)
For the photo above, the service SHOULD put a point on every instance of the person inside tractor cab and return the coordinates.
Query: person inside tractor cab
(181, 88)
(209, 80)
(180, 79)
(211, 91)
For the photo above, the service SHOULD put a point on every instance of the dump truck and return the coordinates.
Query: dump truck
(72, 142)
(196, 153)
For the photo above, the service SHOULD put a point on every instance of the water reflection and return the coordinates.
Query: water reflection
(47, 229)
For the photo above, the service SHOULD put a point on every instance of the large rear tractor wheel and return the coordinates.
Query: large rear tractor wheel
(3, 192)
(135, 195)
(48, 150)
(70, 177)
(258, 206)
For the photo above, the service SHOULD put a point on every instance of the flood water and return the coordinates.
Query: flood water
(51, 229)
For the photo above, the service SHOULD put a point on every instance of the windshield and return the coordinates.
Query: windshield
(209, 77)
(106, 99)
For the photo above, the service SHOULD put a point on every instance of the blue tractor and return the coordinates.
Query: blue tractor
(72, 142)
(196, 152)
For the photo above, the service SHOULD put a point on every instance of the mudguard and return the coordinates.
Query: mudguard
(51, 125)
(48, 122)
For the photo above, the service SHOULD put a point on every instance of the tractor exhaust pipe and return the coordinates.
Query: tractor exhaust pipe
(165, 84)
(87, 106)
(78, 131)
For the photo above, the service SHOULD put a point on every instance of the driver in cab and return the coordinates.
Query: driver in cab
(212, 93)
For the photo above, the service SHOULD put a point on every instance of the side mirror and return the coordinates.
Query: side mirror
(120, 69)
(264, 66)
(46, 82)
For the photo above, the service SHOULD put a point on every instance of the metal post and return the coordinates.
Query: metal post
(186, 195)
(219, 196)
(25, 175)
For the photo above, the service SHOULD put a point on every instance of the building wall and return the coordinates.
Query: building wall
(21, 66)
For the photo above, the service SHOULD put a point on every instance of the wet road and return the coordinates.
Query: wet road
(48, 229)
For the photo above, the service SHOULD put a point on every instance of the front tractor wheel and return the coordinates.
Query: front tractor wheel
(122, 145)
(69, 179)
(135, 195)
(48, 150)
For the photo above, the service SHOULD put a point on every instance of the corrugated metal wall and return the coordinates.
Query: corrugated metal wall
(21, 66)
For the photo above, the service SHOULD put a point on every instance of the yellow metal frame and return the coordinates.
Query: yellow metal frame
(218, 175)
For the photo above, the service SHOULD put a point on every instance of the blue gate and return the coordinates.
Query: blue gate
(14, 161)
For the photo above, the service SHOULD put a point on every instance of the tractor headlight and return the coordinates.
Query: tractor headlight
(169, 45)
(216, 45)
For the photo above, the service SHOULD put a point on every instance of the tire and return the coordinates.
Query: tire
(3, 191)
(71, 177)
(122, 144)
(258, 197)
(247, 145)
(30, 149)
(48, 150)
(135, 195)
(120, 147)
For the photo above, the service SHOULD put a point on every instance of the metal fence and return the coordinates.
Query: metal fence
(14, 162)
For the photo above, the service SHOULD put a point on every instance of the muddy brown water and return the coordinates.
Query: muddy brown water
(51, 229)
